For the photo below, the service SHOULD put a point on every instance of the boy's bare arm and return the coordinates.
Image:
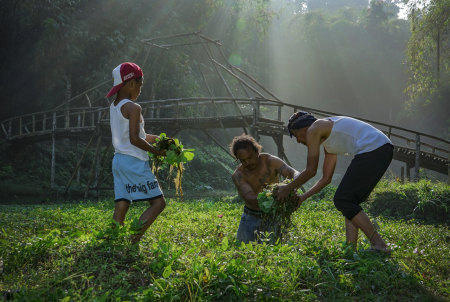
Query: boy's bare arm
(151, 138)
(132, 111)
(245, 190)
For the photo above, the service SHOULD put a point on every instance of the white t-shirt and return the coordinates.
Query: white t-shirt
(120, 129)
(350, 137)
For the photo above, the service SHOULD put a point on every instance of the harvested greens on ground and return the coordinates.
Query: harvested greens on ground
(176, 156)
(277, 214)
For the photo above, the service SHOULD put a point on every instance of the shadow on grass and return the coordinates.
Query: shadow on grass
(99, 269)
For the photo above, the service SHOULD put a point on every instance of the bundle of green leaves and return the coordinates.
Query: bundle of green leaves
(277, 214)
(175, 157)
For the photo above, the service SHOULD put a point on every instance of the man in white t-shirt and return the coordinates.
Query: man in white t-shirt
(372, 152)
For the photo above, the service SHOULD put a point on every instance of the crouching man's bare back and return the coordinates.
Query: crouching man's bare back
(255, 170)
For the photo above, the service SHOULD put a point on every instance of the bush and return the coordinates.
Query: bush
(424, 200)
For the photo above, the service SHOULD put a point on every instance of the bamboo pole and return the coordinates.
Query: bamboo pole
(84, 115)
(97, 172)
(156, 45)
(146, 56)
(139, 52)
(52, 176)
(174, 36)
(238, 110)
(181, 44)
(79, 162)
(4, 130)
(210, 154)
(104, 160)
(257, 83)
(77, 96)
(209, 53)
(104, 179)
(210, 94)
(417, 161)
(91, 174)
(156, 82)
(448, 165)
(231, 68)
(402, 174)
(218, 143)
(238, 78)
(78, 153)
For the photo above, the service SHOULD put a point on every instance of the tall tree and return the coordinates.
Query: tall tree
(428, 52)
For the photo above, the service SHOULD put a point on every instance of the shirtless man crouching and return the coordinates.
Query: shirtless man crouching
(255, 170)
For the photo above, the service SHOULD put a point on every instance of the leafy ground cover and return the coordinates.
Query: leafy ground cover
(59, 253)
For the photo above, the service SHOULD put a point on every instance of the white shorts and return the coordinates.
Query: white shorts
(133, 179)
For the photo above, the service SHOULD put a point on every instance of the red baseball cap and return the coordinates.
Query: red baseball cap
(124, 72)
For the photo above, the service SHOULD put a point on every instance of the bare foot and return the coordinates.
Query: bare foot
(135, 238)
(381, 248)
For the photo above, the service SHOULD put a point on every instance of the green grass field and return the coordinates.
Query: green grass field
(52, 253)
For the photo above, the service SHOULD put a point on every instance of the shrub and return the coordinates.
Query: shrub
(424, 200)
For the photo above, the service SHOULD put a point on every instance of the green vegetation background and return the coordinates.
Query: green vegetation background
(26, 171)
(69, 252)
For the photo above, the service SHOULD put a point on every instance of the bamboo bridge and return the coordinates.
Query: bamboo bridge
(248, 105)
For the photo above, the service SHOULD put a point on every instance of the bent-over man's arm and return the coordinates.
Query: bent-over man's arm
(245, 191)
(284, 169)
(329, 164)
(312, 161)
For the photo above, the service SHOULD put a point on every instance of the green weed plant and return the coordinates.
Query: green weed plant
(175, 157)
(277, 214)
(73, 252)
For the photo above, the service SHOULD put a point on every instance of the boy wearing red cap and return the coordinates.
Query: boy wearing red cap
(133, 179)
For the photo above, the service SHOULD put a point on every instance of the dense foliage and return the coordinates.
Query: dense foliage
(54, 252)
(428, 52)
(27, 172)
(424, 200)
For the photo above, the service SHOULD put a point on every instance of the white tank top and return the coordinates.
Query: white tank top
(120, 129)
(350, 137)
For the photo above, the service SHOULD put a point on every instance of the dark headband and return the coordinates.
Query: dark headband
(300, 120)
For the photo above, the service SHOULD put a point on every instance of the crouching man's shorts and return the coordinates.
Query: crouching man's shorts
(133, 179)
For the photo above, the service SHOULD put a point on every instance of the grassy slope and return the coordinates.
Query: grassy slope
(51, 252)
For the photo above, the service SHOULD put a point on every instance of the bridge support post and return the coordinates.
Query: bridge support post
(417, 162)
(52, 176)
(91, 174)
(279, 142)
(402, 174)
(448, 179)
(408, 172)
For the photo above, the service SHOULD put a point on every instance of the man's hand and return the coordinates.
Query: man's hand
(301, 199)
(283, 192)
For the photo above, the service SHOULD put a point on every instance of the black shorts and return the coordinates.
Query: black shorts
(363, 174)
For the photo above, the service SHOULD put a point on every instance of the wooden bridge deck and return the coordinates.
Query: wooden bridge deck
(83, 122)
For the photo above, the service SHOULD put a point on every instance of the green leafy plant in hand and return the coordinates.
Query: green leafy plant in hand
(175, 157)
(277, 214)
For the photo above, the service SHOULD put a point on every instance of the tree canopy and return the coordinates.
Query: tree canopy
(428, 52)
